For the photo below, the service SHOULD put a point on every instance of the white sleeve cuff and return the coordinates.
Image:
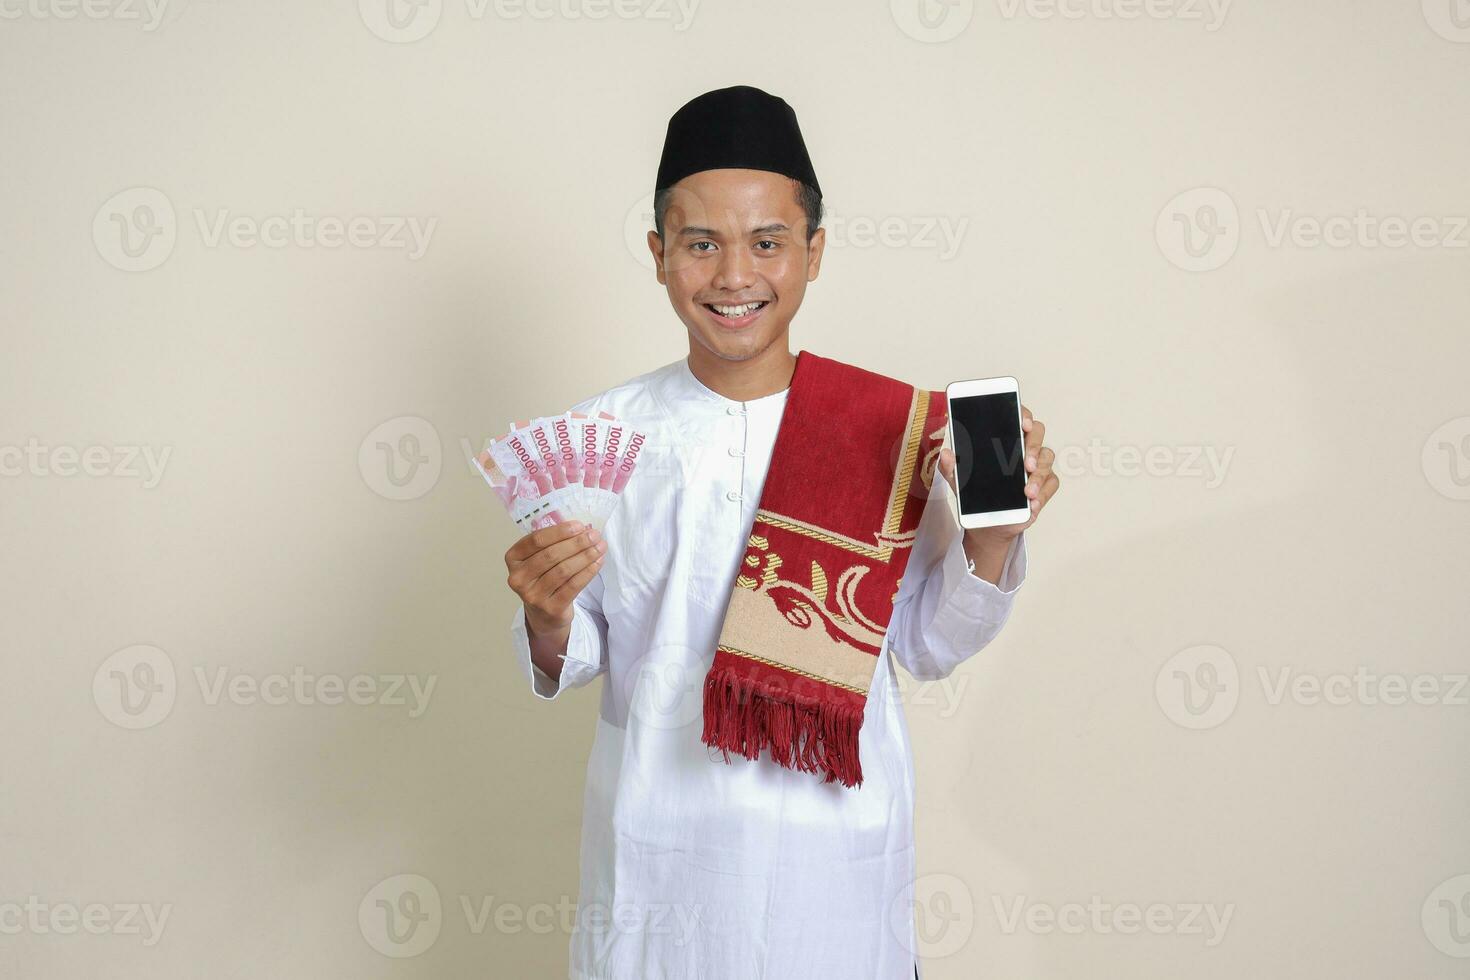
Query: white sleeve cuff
(582, 661)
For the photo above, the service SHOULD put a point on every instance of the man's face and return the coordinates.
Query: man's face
(736, 259)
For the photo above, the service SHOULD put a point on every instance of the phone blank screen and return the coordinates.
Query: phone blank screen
(987, 452)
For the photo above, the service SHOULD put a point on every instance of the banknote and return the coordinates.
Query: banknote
(558, 468)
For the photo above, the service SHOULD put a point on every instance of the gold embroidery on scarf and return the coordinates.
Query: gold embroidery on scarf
(787, 667)
(888, 538)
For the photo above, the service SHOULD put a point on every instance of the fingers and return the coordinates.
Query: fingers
(1049, 488)
(1034, 436)
(575, 583)
(531, 543)
(556, 590)
(946, 464)
(1041, 461)
(545, 561)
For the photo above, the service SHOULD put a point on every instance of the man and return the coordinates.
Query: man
(694, 865)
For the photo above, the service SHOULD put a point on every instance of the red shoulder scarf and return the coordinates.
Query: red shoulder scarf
(849, 475)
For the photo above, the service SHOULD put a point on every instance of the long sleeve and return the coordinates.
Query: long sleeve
(944, 613)
(586, 655)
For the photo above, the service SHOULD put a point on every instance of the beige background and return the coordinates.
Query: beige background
(1056, 767)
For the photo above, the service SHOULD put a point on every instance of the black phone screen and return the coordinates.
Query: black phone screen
(987, 452)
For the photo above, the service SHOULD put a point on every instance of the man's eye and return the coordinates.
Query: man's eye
(695, 246)
(767, 241)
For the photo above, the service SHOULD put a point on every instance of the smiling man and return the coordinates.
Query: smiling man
(783, 543)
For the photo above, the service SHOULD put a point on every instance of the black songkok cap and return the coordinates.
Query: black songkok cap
(737, 127)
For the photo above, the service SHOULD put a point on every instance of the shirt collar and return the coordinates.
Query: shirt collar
(690, 386)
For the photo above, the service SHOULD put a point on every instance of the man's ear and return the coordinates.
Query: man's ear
(656, 246)
(814, 254)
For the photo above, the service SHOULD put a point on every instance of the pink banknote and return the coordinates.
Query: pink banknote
(568, 467)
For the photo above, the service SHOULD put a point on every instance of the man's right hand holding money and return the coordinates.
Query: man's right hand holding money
(548, 569)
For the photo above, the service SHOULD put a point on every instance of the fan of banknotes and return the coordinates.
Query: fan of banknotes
(568, 467)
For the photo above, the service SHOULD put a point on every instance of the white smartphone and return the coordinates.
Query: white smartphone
(989, 452)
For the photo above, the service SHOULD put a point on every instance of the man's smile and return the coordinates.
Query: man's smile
(733, 316)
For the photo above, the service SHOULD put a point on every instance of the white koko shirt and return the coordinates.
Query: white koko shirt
(692, 868)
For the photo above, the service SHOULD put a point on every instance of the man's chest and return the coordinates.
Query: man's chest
(677, 537)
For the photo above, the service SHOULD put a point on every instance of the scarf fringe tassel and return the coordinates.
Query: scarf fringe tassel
(805, 733)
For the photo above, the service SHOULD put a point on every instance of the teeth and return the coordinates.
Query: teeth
(735, 310)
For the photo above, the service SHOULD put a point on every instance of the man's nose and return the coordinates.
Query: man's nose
(736, 270)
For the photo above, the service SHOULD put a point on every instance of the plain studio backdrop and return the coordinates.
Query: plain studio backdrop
(272, 269)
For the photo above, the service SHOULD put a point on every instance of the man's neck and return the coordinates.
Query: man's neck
(767, 373)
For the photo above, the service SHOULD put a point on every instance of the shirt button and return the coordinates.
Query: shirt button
(736, 409)
(736, 452)
(733, 495)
